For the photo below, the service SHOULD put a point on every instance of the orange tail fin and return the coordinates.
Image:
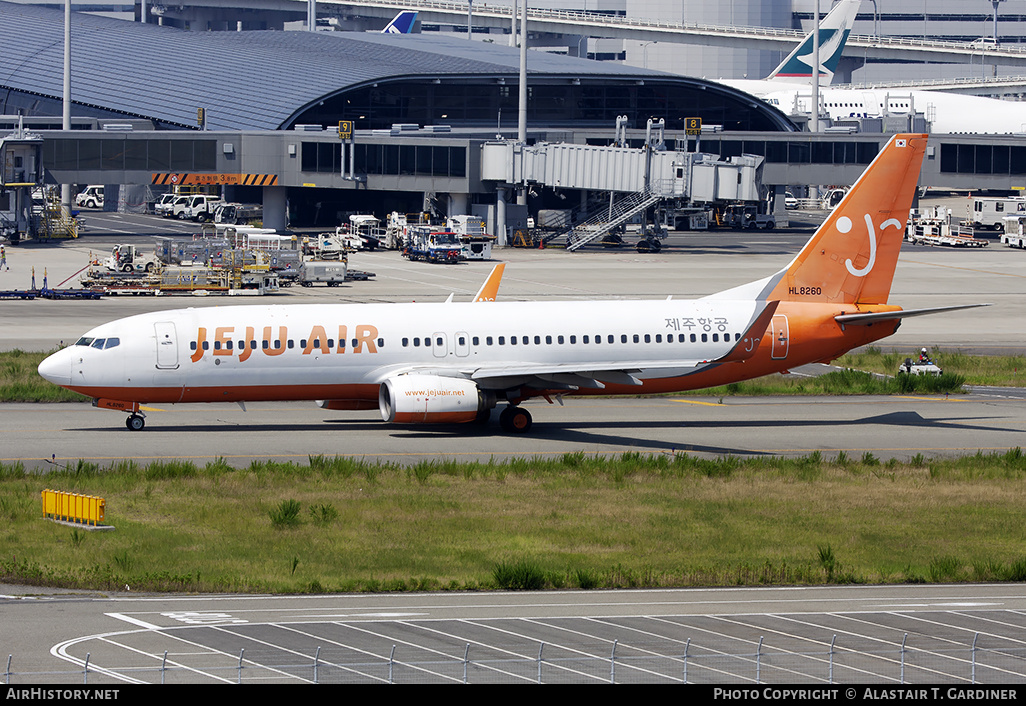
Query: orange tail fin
(490, 289)
(852, 256)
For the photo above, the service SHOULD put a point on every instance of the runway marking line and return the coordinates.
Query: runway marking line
(966, 269)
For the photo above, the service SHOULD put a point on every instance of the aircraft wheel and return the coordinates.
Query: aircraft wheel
(135, 422)
(515, 420)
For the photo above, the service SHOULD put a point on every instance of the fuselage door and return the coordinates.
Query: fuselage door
(778, 329)
(167, 345)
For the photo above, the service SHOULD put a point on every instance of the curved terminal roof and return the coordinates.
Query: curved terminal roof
(261, 80)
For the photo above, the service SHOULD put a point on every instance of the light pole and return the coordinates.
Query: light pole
(644, 53)
(66, 111)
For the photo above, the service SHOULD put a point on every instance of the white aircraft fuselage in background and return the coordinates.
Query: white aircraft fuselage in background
(789, 88)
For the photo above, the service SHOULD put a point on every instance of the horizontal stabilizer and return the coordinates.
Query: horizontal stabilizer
(873, 317)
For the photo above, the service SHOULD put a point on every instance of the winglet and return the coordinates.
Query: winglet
(490, 289)
(749, 343)
(401, 23)
(833, 33)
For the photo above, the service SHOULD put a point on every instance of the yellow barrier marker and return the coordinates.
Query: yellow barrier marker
(71, 508)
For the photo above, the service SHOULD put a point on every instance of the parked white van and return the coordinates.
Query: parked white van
(90, 197)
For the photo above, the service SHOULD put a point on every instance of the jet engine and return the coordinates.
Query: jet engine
(432, 399)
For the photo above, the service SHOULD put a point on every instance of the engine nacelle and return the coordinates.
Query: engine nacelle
(432, 399)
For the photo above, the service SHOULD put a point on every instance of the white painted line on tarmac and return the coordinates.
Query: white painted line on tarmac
(133, 621)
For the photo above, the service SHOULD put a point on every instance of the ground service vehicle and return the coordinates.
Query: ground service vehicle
(1014, 235)
(990, 212)
(161, 204)
(90, 197)
(330, 272)
(237, 213)
(449, 362)
(175, 208)
(128, 258)
(200, 207)
(747, 216)
(919, 367)
(432, 245)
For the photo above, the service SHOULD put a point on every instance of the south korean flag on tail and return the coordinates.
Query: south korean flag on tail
(900, 143)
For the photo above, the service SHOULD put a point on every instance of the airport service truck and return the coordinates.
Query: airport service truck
(990, 212)
(128, 258)
(1014, 235)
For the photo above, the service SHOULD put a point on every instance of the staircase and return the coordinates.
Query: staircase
(608, 219)
(50, 221)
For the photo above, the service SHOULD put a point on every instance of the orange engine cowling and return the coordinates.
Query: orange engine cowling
(432, 399)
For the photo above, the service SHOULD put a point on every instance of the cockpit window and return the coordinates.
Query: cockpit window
(98, 343)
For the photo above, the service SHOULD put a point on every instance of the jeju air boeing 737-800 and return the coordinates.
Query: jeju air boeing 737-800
(453, 362)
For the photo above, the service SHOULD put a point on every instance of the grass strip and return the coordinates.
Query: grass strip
(337, 524)
(1001, 371)
(20, 381)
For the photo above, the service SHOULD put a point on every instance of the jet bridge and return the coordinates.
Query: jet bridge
(641, 176)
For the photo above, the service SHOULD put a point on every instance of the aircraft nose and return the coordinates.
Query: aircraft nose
(57, 368)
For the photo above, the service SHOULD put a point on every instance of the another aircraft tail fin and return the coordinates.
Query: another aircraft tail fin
(852, 256)
(489, 290)
(833, 33)
(401, 23)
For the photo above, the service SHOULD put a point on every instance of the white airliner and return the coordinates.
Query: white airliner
(789, 88)
(453, 362)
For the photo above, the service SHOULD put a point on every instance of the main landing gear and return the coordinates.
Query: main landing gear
(135, 422)
(515, 420)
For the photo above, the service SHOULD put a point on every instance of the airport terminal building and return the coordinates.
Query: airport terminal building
(422, 107)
